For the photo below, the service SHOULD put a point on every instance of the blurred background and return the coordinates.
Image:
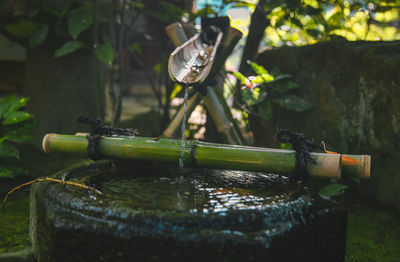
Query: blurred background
(329, 69)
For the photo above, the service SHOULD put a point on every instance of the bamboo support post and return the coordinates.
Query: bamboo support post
(176, 33)
(202, 154)
(177, 120)
(221, 119)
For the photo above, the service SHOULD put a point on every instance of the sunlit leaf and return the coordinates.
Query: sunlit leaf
(175, 91)
(264, 78)
(250, 96)
(38, 35)
(16, 117)
(243, 80)
(293, 103)
(258, 69)
(68, 48)
(238, 4)
(333, 190)
(80, 20)
(105, 53)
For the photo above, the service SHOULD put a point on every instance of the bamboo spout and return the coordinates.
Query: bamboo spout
(202, 154)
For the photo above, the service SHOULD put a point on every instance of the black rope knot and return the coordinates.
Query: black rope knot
(302, 146)
(99, 130)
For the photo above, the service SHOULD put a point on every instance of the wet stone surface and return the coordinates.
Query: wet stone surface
(155, 213)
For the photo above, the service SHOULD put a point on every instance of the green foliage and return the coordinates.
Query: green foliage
(68, 48)
(261, 92)
(14, 224)
(166, 12)
(15, 126)
(38, 35)
(22, 28)
(105, 53)
(135, 47)
(79, 20)
(333, 190)
(299, 22)
(372, 236)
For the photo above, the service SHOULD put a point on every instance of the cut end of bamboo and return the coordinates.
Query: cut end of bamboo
(81, 134)
(327, 166)
(46, 141)
(365, 169)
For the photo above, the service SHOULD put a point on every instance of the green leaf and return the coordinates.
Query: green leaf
(105, 53)
(293, 103)
(175, 91)
(135, 47)
(38, 35)
(265, 110)
(296, 22)
(79, 20)
(5, 172)
(258, 69)
(16, 117)
(243, 80)
(250, 97)
(159, 67)
(284, 86)
(205, 11)
(242, 4)
(22, 28)
(333, 190)
(68, 48)
(264, 78)
(286, 146)
(8, 150)
(10, 104)
(16, 136)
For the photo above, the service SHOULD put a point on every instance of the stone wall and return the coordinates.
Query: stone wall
(355, 90)
(60, 90)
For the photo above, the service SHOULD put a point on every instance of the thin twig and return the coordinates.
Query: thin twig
(49, 180)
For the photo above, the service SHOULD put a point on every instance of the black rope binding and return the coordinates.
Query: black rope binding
(302, 146)
(99, 130)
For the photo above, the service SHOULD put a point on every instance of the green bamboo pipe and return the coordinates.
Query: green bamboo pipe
(202, 154)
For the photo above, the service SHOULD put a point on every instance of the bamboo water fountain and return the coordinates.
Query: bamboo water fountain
(228, 203)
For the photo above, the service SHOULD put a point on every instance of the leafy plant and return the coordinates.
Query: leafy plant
(15, 126)
(332, 190)
(299, 22)
(264, 91)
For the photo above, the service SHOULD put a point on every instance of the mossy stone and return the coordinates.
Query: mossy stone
(149, 212)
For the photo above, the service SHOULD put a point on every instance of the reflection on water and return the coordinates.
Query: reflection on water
(197, 191)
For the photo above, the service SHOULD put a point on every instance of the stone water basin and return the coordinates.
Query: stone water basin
(149, 212)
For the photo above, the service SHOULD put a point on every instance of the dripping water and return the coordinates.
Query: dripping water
(183, 128)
